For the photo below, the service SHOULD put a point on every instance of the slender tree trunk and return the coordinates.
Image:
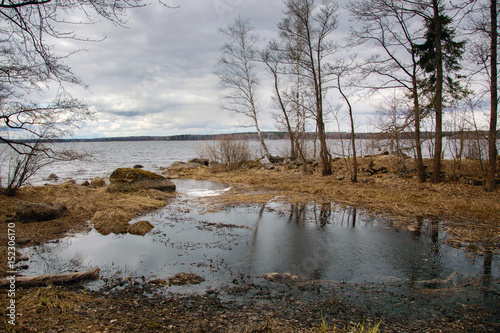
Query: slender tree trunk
(438, 98)
(492, 135)
(418, 143)
(289, 128)
(354, 175)
(326, 159)
(254, 114)
(262, 142)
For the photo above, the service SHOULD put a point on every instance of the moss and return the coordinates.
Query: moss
(128, 175)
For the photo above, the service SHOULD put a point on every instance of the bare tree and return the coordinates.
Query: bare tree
(29, 65)
(395, 116)
(394, 27)
(484, 51)
(309, 25)
(341, 70)
(237, 73)
(289, 100)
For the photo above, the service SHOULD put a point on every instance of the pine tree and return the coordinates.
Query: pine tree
(440, 57)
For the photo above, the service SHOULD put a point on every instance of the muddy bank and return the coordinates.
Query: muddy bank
(254, 307)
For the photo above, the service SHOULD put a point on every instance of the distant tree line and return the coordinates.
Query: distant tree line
(255, 136)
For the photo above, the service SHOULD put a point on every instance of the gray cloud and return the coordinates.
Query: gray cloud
(155, 77)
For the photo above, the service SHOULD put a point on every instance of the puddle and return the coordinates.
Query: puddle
(200, 188)
(314, 241)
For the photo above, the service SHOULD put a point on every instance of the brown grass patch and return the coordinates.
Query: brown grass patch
(51, 301)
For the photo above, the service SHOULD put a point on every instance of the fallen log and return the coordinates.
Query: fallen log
(51, 278)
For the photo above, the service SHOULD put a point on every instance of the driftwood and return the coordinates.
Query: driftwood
(51, 278)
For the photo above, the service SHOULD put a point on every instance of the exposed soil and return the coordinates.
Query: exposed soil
(471, 216)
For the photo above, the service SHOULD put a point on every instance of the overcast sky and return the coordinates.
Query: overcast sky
(155, 77)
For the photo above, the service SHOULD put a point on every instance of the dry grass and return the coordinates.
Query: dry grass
(51, 301)
(82, 203)
(472, 214)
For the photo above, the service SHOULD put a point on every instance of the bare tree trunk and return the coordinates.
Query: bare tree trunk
(325, 157)
(418, 143)
(354, 174)
(262, 142)
(492, 135)
(438, 98)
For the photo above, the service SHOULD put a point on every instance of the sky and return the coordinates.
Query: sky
(156, 75)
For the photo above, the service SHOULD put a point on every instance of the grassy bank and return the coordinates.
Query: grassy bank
(82, 203)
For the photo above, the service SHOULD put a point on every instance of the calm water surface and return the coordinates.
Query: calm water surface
(104, 157)
(313, 241)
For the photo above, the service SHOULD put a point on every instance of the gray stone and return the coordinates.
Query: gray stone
(28, 211)
(98, 182)
(202, 161)
(52, 176)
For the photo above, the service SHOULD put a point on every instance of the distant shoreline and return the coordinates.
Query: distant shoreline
(243, 136)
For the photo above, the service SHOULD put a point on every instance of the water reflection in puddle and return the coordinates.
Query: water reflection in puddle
(313, 241)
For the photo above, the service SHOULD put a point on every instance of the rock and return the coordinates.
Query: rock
(276, 159)
(285, 278)
(202, 161)
(138, 166)
(52, 176)
(111, 221)
(140, 228)
(22, 241)
(98, 182)
(86, 183)
(383, 152)
(340, 177)
(268, 166)
(179, 166)
(185, 278)
(126, 180)
(160, 282)
(28, 211)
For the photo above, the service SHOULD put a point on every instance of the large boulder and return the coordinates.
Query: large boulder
(29, 211)
(128, 179)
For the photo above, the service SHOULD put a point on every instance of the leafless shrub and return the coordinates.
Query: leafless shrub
(229, 153)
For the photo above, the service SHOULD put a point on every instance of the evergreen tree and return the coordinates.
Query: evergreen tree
(440, 57)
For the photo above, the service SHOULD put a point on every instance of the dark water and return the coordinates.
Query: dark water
(313, 241)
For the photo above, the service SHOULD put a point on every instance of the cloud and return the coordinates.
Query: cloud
(155, 77)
